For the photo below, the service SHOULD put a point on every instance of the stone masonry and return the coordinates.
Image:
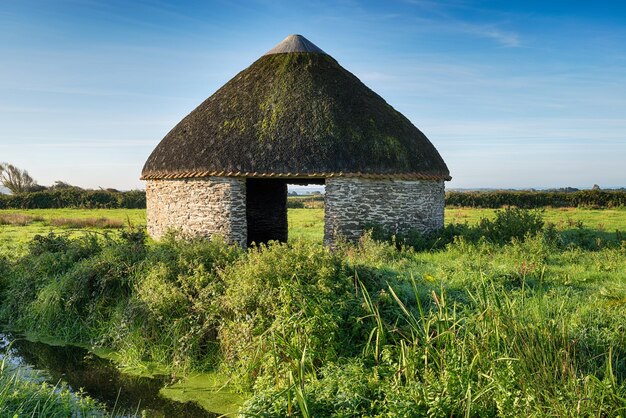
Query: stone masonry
(198, 207)
(398, 205)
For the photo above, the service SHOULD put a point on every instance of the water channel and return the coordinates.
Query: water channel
(99, 378)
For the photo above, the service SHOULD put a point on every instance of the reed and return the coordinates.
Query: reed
(28, 395)
(18, 219)
(99, 223)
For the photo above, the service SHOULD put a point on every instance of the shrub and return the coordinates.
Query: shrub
(537, 199)
(75, 198)
(174, 313)
(308, 202)
(362, 330)
(511, 223)
(281, 298)
(295, 204)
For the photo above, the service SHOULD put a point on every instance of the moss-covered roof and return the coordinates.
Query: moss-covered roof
(295, 114)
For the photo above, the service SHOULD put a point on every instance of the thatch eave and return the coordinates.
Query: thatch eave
(294, 176)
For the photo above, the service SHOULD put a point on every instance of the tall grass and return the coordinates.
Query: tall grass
(18, 219)
(29, 396)
(519, 322)
(502, 355)
(101, 223)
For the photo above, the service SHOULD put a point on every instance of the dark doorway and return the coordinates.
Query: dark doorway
(266, 210)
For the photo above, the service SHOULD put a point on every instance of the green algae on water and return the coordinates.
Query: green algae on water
(209, 390)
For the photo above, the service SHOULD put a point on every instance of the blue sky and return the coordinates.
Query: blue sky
(512, 93)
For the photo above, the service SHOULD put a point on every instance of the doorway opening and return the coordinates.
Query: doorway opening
(266, 208)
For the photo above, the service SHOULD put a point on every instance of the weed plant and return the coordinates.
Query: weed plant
(506, 318)
(101, 223)
(18, 219)
(30, 396)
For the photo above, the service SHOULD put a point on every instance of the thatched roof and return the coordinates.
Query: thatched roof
(295, 113)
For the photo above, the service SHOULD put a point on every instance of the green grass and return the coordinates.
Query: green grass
(563, 218)
(136, 216)
(14, 237)
(307, 224)
(25, 394)
(525, 327)
(572, 222)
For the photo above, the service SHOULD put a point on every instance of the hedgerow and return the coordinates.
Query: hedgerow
(537, 199)
(75, 198)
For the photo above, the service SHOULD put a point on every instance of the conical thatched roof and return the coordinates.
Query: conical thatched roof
(295, 112)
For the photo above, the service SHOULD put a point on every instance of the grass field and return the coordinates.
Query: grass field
(19, 226)
(307, 224)
(532, 326)
(564, 218)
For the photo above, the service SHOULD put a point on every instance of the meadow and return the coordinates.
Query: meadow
(19, 226)
(503, 313)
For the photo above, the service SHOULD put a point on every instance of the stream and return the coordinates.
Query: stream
(98, 378)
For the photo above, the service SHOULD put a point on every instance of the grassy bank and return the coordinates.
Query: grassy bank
(28, 396)
(488, 325)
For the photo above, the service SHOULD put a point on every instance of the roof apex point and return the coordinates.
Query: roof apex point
(295, 43)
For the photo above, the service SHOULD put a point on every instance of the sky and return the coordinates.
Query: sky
(513, 94)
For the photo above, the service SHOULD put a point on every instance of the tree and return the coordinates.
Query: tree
(61, 185)
(16, 179)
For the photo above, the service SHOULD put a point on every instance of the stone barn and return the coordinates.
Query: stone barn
(295, 116)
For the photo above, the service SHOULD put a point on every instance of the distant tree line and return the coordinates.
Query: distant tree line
(312, 201)
(75, 198)
(72, 197)
(26, 193)
(595, 198)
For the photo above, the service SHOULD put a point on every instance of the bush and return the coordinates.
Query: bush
(281, 298)
(75, 198)
(173, 316)
(536, 199)
(510, 223)
(493, 326)
(295, 204)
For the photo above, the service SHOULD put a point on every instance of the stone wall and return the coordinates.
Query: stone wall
(398, 205)
(198, 207)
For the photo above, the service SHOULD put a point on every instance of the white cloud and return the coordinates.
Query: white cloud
(504, 38)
